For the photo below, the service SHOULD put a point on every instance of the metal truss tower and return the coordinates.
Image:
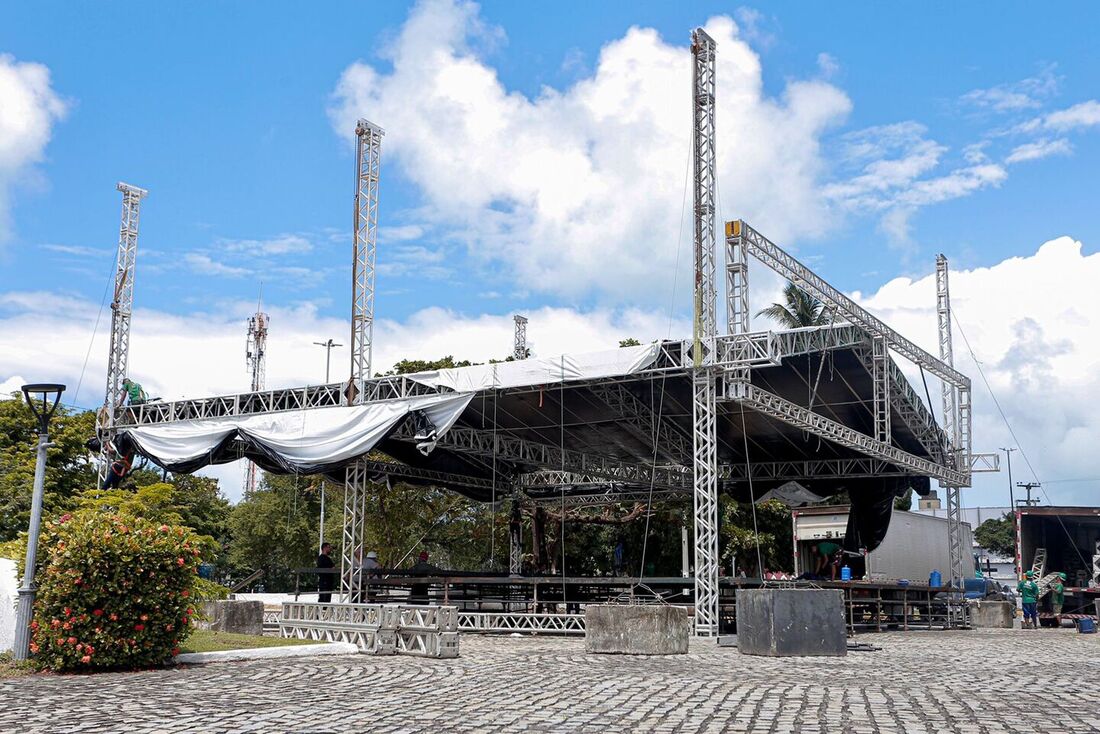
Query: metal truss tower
(122, 305)
(368, 150)
(704, 377)
(951, 406)
(256, 357)
(519, 347)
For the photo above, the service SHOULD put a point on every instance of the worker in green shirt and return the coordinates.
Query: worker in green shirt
(1029, 595)
(1058, 598)
(826, 549)
(134, 393)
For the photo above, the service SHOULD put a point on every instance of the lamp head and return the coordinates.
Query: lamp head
(43, 399)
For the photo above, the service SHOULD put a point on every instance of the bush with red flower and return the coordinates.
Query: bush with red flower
(114, 591)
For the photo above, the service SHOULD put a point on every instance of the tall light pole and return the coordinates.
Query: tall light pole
(1011, 491)
(328, 345)
(43, 410)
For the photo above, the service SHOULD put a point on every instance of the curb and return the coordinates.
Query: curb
(262, 653)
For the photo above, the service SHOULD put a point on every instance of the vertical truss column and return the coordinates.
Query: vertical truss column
(122, 305)
(705, 504)
(256, 357)
(355, 515)
(519, 347)
(368, 150)
(705, 329)
(515, 537)
(880, 364)
(951, 417)
(705, 325)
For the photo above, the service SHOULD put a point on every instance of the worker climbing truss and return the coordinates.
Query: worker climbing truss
(122, 306)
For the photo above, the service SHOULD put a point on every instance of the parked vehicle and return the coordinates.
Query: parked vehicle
(1051, 540)
(914, 547)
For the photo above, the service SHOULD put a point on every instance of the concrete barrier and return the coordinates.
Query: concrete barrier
(651, 629)
(991, 614)
(791, 622)
(230, 615)
(9, 585)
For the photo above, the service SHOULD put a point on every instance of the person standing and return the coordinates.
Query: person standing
(1029, 596)
(1058, 598)
(326, 580)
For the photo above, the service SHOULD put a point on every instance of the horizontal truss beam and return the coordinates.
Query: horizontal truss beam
(787, 266)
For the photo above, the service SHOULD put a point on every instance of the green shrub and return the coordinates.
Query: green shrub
(114, 591)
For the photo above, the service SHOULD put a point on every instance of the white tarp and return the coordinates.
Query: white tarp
(303, 440)
(543, 370)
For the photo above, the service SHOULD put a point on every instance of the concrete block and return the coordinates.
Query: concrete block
(791, 622)
(229, 615)
(993, 614)
(651, 629)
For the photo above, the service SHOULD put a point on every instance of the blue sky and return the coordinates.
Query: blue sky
(874, 136)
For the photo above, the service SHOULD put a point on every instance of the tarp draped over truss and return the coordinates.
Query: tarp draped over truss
(313, 441)
(543, 370)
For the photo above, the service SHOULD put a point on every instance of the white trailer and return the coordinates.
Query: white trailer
(914, 546)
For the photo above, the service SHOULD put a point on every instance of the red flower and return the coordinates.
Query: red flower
(113, 617)
(164, 528)
(66, 517)
(185, 593)
(145, 618)
(34, 647)
(175, 651)
(72, 640)
(86, 659)
(79, 647)
(180, 561)
(168, 627)
(97, 612)
(68, 612)
(34, 625)
(55, 623)
(139, 627)
(184, 620)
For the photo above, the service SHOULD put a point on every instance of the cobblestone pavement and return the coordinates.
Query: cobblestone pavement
(978, 681)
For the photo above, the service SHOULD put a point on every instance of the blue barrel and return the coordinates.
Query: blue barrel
(845, 573)
(1086, 626)
(935, 579)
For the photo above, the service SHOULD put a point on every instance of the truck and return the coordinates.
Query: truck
(1051, 540)
(915, 545)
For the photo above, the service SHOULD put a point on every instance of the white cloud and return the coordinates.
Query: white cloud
(828, 65)
(1039, 149)
(29, 107)
(1080, 116)
(1032, 329)
(205, 265)
(78, 250)
(1025, 94)
(401, 233)
(286, 244)
(558, 185)
(11, 385)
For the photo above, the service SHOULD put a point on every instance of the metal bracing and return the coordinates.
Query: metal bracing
(368, 150)
(705, 237)
(631, 412)
(511, 449)
(356, 477)
(485, 622)
(784, 410)
(519, 345)
(122, 306)
(380, 469)
(515, 536)
(880, 376)
(787, 266)
(593, 494)
(905, 401)
(984, 463)
(256, 357)
(953, 397)
(705, 504)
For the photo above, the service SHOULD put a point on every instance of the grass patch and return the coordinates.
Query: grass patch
(12, 668)
(211, 641)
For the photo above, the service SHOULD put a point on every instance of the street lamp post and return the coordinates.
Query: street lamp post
(43, 410)
(1011, 491)
(328, 345)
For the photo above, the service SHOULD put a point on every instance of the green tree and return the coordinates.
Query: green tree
(738, 539)
(798, 309)
(904, 503)
(69, 467)
(410, 366)
(997, 536)
(629, 342)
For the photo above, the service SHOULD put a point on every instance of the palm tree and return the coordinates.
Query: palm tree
(801, 309)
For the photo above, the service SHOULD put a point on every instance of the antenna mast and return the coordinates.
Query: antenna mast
(256, 358)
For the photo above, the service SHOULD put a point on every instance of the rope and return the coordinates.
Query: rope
(91, 342)
(752, 496)
(1011, 432)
